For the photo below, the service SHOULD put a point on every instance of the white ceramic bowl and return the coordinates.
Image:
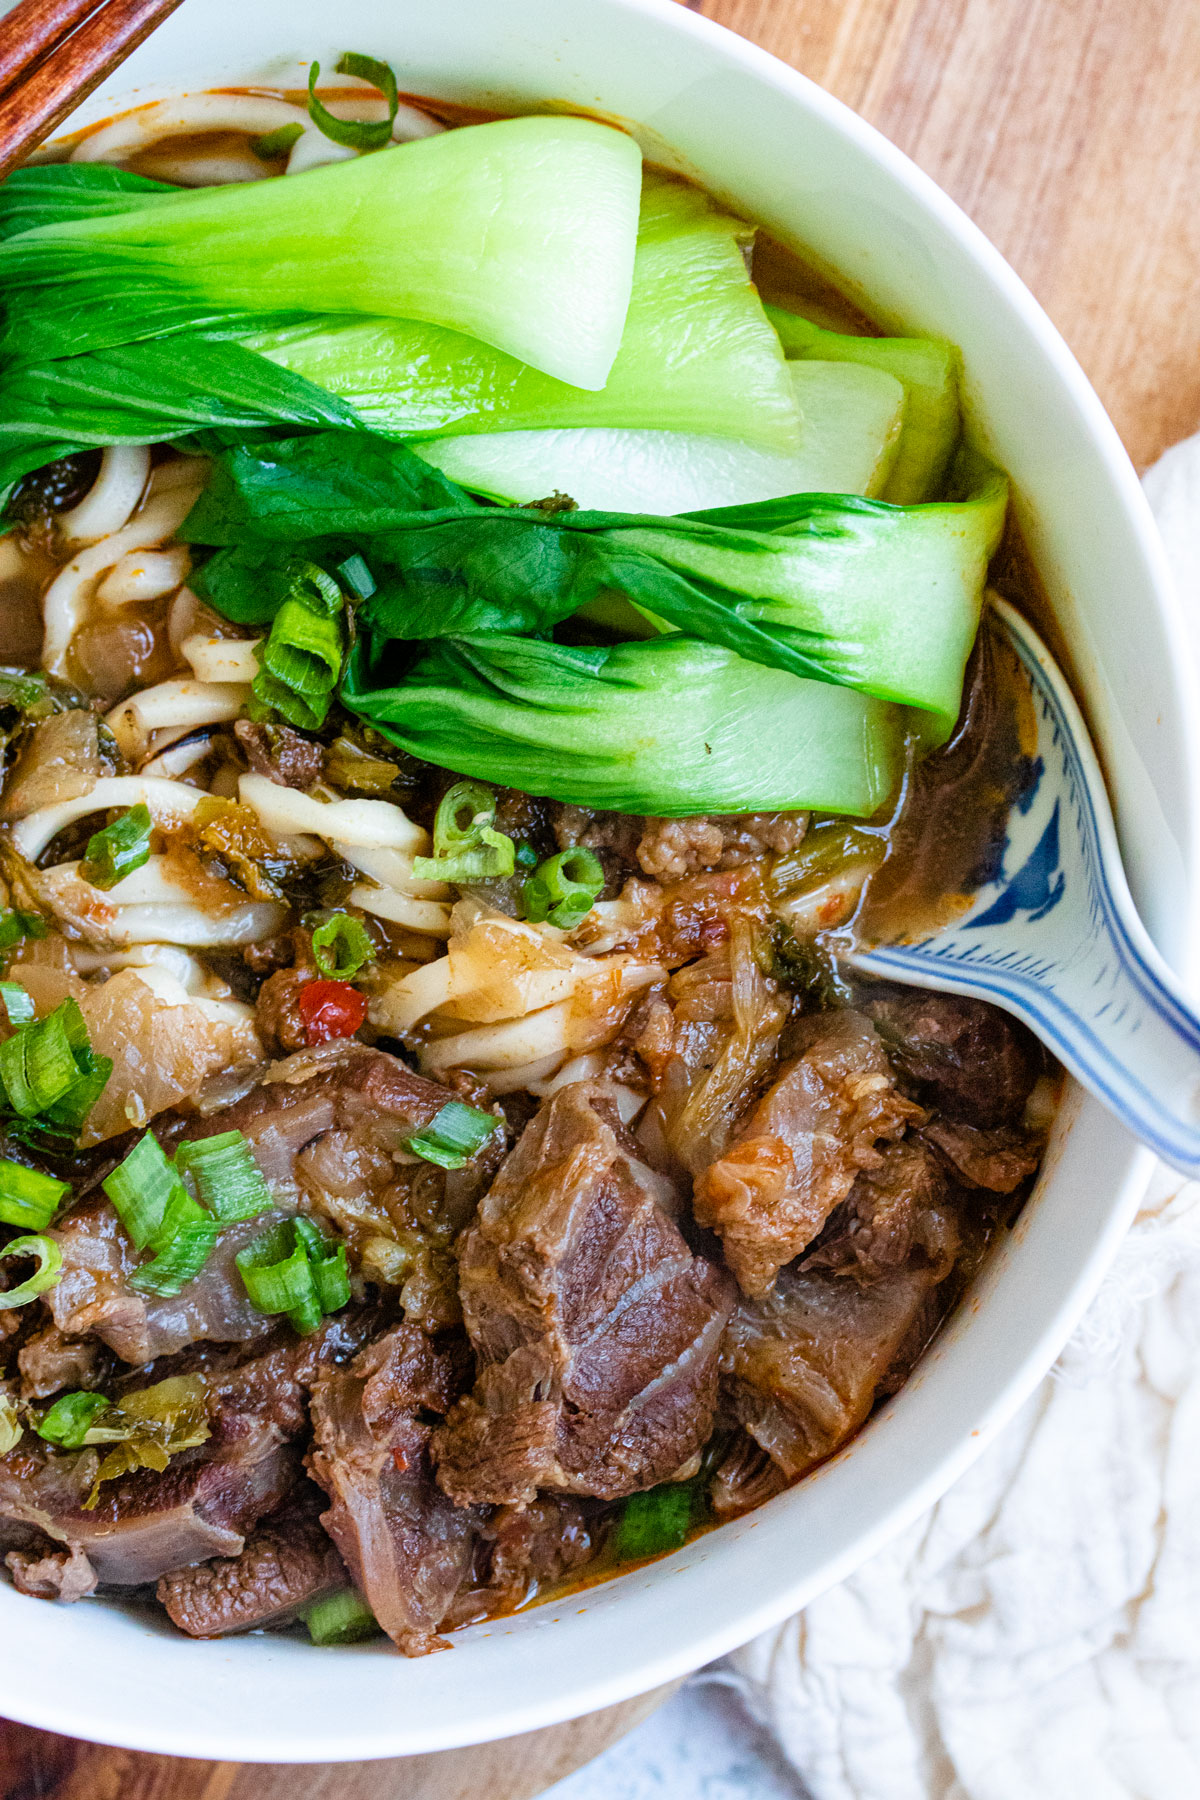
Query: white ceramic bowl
(787, 155)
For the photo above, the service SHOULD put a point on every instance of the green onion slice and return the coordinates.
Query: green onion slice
(276, 143)
(49, 1259)
(293, 1268)
(119, 848)
(563, 889)
(69, 1420)
(341, 946)
(182, 1245)
(354, 574)
(17, 925)
(227, 1178)
(356, 134)
(454, 1135)
(341, 1618)
(466, 845)
(655, 1521)
(301, 660)
(29, 1198)
(142, 1188)
(18, 1003)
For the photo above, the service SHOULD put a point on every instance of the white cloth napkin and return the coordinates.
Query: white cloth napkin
(1036, 1636)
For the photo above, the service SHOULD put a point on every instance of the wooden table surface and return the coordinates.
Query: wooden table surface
(1070, 131)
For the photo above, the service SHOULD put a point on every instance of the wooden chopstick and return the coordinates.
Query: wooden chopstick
(78, 63)
(32, 29)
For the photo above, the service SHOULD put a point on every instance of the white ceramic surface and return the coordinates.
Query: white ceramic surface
(786, 154)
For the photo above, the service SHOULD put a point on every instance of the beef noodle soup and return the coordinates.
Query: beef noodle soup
(479, 631)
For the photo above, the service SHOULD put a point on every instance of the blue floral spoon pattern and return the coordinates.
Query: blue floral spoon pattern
(1055, 939)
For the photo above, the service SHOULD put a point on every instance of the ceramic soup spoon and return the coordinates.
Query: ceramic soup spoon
(1054, 938)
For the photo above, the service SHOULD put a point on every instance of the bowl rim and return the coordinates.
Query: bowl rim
(81, 1715)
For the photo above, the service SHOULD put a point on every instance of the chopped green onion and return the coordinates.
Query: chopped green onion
(276, 143)
(454, 1135)
(16, 925)
(227, 1178)
(564, 888)
(142, 1188)
(70, 1419)
(356, 134)
(292, 1268)
(28, 1198)
(341, 1618)
(341, 946)
(331, 1276)
(18, 1003)
(655, 1521)
(301, 660)
(527, 857)
(278, 1276)
(354, 574)
(182, 1245)
(49, 1268)
(118, 849)
(466, 845)
(37, 1065)
(50, 1075)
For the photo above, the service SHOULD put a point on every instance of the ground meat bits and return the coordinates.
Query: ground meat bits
(670, 849)
(284, 756)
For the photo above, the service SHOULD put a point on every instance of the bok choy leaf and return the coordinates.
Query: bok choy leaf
(671, 727)
(145, 394)
(929, 370)
(828, 587)
(56, 193)
(850, 422)
(697, 353)
(399, 233)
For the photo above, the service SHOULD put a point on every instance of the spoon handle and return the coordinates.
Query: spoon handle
(1056, 938)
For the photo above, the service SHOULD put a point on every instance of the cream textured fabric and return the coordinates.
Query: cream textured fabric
(1037, 1635)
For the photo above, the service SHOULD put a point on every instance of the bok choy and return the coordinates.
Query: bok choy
(671, 726)
(850, 424)
(697, 354)
(877, 597)
(928, 368)
(400, 233)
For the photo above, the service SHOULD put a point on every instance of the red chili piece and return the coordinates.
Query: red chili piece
(330, 1009)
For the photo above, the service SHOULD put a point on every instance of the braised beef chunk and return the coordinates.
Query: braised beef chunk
(145, 1524)
(999, 1160)
(49, 1361)
(595, 1326)
(51, 1574)
(970, 1060)
(519, 1552)
(406, 1545)
(804, 1363)
(799, 1151)
(284, 756)
(900, 1208)
(94, 1295)
(287, 1563)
